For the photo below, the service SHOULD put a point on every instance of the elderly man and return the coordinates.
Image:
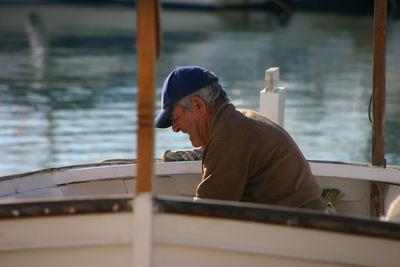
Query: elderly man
(246, 156)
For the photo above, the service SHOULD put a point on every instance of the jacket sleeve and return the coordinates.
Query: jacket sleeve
(225, 170)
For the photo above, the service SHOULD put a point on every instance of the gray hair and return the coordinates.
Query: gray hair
(210, 94)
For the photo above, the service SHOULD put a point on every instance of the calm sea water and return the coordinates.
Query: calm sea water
(68, 79)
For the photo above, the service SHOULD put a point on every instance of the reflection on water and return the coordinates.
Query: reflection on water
(68, 77)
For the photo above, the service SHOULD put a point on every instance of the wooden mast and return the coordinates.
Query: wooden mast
(148, 36)
(148, 48)
(378, 103)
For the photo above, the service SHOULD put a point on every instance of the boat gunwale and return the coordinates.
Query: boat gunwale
(219, 209)
(66, 168)
(117, 162)
(126, 169)
(44, 207)
(280, 215)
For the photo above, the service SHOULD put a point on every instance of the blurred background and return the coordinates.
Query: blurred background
(68, 74)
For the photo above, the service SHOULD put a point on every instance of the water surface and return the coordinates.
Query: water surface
(68, 79)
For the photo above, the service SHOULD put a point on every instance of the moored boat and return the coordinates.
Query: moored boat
(108, 213)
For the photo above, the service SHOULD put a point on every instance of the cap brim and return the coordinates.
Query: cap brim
(163, 119)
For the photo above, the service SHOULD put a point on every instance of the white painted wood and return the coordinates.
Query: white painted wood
(182, 240)
(143, 232)
(49, 192)
(179, 177)
(182, 178)
(271, 79)
(66, 231)
(173, 184)
(266, 240)
(393, 213)
(22, 184)
(95, 188)
(46, 179)
(95, 240)
(171, 256)
(86, 256)
(392, 192)
(165, 168)
(369, 173)
(50, 178)
(272, 97)
(356, 199)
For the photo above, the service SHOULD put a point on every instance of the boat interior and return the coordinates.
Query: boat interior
(347, 186)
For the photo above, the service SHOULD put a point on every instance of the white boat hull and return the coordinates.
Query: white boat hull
(185, 240)
(84, 214)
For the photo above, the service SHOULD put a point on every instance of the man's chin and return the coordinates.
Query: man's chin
(194, 144)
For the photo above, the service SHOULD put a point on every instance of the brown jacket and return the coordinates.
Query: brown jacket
(250, 158)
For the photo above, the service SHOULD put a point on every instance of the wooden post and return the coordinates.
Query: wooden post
(378, 103)
(147, 47)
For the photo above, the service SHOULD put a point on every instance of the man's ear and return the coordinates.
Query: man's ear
(199, 104)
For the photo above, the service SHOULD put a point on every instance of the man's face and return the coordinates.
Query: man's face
(189, 122)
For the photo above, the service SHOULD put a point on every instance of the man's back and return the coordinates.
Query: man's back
(250, 158)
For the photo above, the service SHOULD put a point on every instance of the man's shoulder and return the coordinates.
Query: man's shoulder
(243, 124)
(250, 113)
(256, 116)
